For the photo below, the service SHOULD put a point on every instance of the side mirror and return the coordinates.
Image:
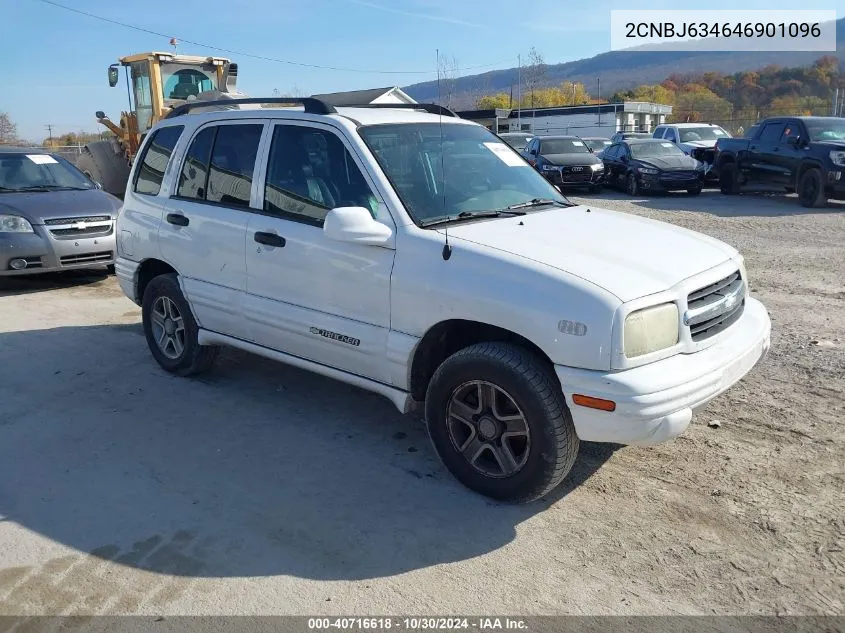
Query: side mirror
(796, 141)
(113, 75)
(98, 185)
(357, 225)
(623, 158)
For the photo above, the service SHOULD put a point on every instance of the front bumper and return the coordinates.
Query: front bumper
(565, 177)
(654, 402)
(44, 252)
(664, 181)
(835, 185)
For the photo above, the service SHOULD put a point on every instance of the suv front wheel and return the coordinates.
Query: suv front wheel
(499, 422)
(171, 330)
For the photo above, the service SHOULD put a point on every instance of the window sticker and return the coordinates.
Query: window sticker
(41, 159)
(507, 155)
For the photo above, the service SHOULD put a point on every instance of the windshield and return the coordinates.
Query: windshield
(692, 134)
(826, 130)
(660, 148)
(517, 142)
(180, 81)
(598, 145)
(481, 172)
(563, 146)
(22, 172)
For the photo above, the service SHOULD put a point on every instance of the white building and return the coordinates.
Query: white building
(585, 120)
(365, 97)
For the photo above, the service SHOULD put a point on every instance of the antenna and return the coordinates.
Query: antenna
(447, 250)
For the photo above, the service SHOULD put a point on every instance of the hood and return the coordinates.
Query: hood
(572, 159)
(668, 162)
(692, 144)
(833, 145)
(627, 255)
(36, 206)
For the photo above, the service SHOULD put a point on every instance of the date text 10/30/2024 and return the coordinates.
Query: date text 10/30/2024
(417, 624)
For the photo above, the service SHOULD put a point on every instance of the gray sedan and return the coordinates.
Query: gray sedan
(52, 216)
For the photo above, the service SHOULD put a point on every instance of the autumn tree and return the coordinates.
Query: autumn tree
(8, 130)
(447, 77)
(490, 102)
(533, 75)
(696, 103)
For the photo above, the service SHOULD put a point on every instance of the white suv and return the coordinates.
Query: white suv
(414, 254)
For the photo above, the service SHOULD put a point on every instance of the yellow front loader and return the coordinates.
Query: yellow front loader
(155, 83)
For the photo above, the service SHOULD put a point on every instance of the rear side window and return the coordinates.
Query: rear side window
(193, 180)
(658, 132)
(154, 162)
(670, 135)
(233, 163)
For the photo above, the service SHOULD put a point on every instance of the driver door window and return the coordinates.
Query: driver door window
(310, 172)
(670, 135)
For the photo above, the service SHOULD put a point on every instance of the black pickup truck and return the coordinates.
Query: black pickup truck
(803, 154)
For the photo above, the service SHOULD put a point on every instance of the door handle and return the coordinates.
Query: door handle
(269, 239)
(178, 219)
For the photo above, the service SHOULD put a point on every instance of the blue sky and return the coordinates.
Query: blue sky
(55, 60)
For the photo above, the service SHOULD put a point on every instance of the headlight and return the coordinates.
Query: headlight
(14, 224)
(647, 170)
(651, 329)
(549, 168)
(597, 167)
(838, 158)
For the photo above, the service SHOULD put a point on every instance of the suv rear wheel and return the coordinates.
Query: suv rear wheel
(499, 422)
(171, 330)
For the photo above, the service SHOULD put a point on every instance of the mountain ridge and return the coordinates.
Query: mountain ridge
(622, 70)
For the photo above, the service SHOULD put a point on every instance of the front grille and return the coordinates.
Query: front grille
(716, 307)
(72, 228)
(678, 175)
(576, 173)
(88, 231)
(86, 258)
(88, 218)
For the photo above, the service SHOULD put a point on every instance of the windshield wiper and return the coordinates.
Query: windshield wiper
(470, 215)
(536, 202)
(50, 188)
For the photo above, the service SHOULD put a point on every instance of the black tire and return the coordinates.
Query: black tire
(811, 189)
(194, 358)
(694, 191)
(110, 269)
(729, 180)
(632, 186)
(551, 445)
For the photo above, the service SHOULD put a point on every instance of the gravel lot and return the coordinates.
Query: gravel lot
(264, 489)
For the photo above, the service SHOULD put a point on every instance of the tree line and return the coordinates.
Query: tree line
(732, 100)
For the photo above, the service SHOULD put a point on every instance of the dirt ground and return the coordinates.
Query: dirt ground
(264, 489)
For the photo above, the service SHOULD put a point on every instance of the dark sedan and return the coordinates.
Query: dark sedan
(565, 161)
(640, 165)
(52, 216)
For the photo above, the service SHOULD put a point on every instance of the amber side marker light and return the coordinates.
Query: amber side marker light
(594, 403)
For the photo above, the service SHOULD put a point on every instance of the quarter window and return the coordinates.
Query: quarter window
(154, 162)
(233, 164)
(309, 172)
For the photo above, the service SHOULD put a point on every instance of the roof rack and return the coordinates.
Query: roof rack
(431, 108)
(311, 105)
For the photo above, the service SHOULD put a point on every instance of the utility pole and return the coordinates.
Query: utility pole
(49, 127)
(519, 93)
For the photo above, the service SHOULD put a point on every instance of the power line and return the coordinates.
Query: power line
(260, 57)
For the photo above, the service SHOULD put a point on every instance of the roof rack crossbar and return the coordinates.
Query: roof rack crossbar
(311, 105)
(431, 108)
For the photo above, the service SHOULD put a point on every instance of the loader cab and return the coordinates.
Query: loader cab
(160, 81)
